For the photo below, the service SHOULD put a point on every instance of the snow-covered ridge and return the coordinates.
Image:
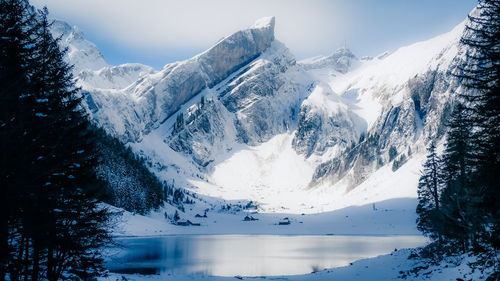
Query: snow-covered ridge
(403, 98)
(113, 77)
(397, 68)
(131, 100)
(342, 60)
(89, 66)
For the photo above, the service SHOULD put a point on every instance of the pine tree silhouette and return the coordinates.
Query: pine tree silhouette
(53, 225)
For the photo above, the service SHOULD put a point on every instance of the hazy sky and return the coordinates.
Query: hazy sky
(156, 32)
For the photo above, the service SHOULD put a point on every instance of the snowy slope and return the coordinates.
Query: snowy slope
(377, 97)
(113, 77)
(400, 99)
(81, 53)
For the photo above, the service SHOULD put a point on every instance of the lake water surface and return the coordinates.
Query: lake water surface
(249, 255)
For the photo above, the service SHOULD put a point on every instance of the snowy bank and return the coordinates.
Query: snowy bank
(394, 266)
(388, 217)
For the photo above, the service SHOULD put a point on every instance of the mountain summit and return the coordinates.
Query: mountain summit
(130, 112)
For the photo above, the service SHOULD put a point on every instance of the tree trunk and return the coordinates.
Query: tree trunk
(50, 262)
(26, 258)
(4, 246)
(36, 260)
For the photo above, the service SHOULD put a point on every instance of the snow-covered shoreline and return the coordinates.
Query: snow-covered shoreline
(394, 266)
(392, 217)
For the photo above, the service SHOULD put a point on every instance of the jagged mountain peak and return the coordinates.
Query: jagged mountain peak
(235, 50)
(83, 54)
(265, 22)
(341, 60)
(262, 28)
(135, 108)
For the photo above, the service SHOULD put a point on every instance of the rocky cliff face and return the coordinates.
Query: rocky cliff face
(254, 104)
(325, 126)
(207, 130)
(177, 83)
(263, 95)
(134, 109)
(84, 55)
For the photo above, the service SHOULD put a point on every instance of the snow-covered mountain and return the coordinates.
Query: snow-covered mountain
(244, 120)
(402, 98)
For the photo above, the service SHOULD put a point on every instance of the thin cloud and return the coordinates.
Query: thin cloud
(156, 24)
(156, 32)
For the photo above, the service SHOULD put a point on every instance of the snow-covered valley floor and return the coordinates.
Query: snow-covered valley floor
(384, 204)
(241, 186)
(389, 217)
(393, 216)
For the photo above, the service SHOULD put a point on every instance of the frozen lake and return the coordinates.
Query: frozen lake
(249, 255)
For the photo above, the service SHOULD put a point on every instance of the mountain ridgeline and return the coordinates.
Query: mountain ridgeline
(348, 116)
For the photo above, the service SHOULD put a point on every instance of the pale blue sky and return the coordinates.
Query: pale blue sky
(156, 32)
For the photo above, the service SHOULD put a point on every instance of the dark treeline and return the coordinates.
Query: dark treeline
(128, 183)
(459, 196)
(52, 225)
(55, 165)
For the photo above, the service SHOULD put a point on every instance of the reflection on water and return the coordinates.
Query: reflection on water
(249, 255)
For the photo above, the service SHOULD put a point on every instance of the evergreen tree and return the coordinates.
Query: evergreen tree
(129, 183)
(481, 75)
(460, 195)
(392, 153)
(429, 191)
(52, 227)
(78, 226)
(469, 204)
(15, 48)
